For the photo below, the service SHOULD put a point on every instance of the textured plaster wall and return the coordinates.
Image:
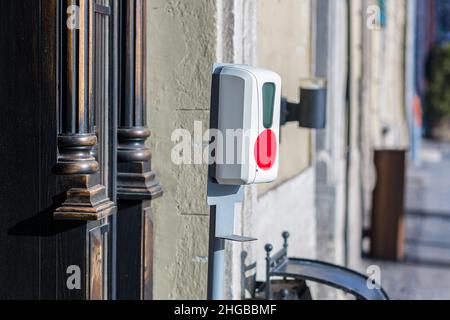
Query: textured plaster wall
(185, 38)
(383, 117)
(385, 68)
(337, 134)
(330, 157)
(284, 45)
(182, 42)
(394, 109)
(355, 214)
(331, 63)
(377, 102)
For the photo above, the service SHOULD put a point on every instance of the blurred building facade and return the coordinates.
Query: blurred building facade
(365, 50)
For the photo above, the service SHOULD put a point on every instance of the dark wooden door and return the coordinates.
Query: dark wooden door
(75, 176)
(35, 249)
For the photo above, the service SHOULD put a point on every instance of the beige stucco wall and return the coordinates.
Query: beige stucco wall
(330, 152)
(185, 38)
(383, 92)
(385, 67)
(396, 116)
(377, 102)
(357, 132)
(182, 41)
(284, 45)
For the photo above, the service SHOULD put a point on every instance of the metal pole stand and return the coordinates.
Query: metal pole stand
(222, 199)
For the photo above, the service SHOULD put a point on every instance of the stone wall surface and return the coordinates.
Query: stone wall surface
(182, 42)
(311, 198)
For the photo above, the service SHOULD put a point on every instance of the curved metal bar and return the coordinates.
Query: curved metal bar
(280, 265)
(331, 275)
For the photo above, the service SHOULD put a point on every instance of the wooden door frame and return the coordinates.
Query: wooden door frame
(136, 182)
(38, 247)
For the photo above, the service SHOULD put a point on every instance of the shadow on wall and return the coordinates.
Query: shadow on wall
(248, 282)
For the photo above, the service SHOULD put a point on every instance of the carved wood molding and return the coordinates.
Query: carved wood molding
(75, 155)
(135, 179)
(85, 203)
(87, 199)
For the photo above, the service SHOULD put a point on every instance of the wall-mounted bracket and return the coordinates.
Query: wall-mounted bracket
(311, 111)
(222, 199)
(290, 112)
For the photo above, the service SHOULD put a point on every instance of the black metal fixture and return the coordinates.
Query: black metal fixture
(280, 265)
(311, 111)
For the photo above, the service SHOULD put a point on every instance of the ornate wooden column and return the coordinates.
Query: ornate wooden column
(77, 141)
(136, 182)
(135, 179)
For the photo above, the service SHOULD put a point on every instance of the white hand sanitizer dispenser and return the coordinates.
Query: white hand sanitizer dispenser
(249, 119)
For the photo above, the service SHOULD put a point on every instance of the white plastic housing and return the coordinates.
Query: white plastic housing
(245, 97)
